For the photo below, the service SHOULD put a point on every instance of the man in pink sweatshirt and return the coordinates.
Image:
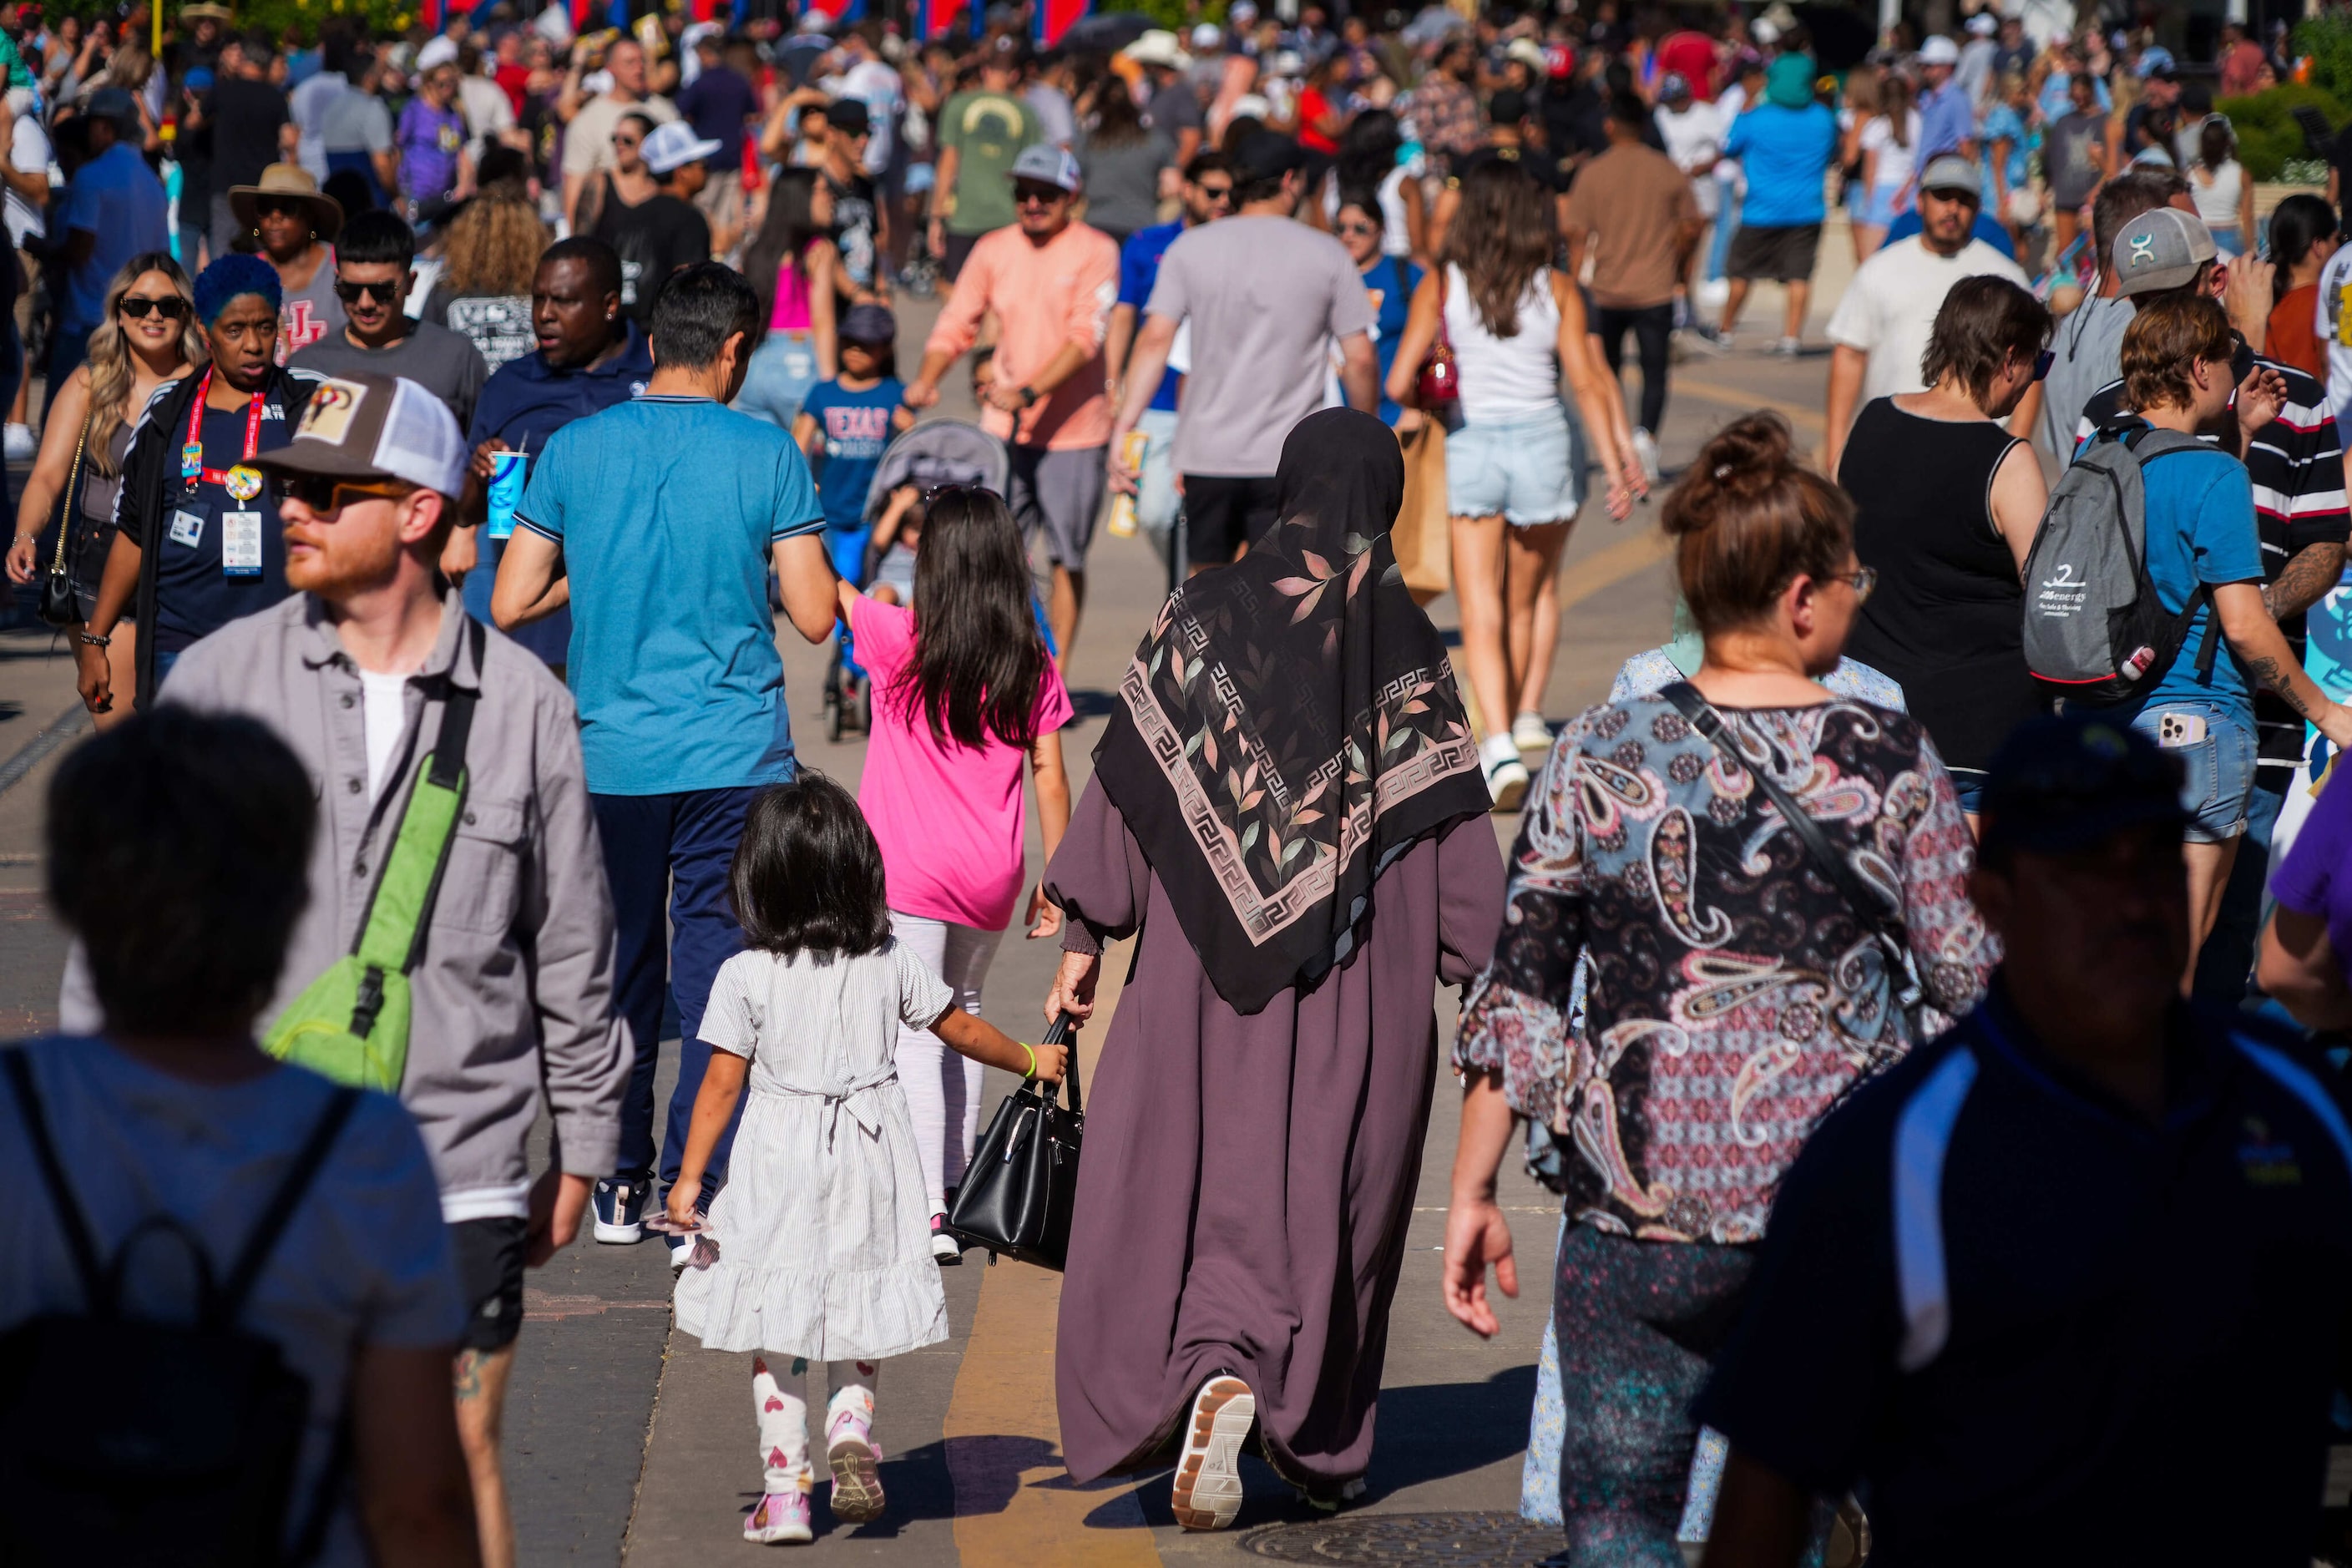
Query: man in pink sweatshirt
(1051, 283)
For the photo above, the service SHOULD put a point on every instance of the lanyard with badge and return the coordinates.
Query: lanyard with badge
(241, 529)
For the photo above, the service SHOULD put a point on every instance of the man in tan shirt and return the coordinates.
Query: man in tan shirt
(1634, 209)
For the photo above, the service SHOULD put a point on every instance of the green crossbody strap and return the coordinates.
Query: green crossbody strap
(391, 934)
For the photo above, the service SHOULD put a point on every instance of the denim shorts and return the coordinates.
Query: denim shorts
(2217, 767)
(1527, 468)
(781, 373)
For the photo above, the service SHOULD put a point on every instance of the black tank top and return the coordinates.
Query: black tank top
(1946, 621)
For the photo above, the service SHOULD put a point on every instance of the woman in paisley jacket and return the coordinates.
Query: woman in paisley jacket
(1733, 996)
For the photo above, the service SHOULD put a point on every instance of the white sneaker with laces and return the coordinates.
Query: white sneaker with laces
(1531, 734)
(1507, 776)
(1788, 348)
(1645, 448)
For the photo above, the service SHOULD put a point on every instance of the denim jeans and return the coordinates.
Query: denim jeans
(1727, 219)
(2217, 767)
(2225, 963)
(783, 370)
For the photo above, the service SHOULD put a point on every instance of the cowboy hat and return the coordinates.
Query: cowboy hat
(288, 180)
(206, 12)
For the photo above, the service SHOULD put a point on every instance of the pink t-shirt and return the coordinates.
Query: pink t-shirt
(949, 818)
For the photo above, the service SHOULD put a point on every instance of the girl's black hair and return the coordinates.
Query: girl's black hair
(1368, 151)
(2299, 222)
(979, 658)
(807, 877)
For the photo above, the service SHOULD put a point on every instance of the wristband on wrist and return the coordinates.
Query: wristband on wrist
(97, 641)
(1033, 1059)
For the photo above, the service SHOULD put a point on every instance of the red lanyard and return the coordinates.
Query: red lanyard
(192, 455)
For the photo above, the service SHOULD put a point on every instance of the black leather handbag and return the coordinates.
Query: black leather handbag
(1015, 1198)
(60, 606)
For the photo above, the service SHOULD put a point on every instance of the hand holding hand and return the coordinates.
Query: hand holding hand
(920, 394)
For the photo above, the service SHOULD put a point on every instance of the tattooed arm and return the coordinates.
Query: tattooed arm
(2305, 579)
(2255, 639)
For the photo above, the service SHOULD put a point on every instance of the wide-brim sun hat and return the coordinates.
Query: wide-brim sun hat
(287, 181)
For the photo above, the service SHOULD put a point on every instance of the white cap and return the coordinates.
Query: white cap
(1207, 36)
(1158, 47)
(1939, 50)
(673, 144)
(1984, 25)
(441, 50)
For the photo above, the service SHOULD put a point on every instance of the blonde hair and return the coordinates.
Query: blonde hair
(112, 370)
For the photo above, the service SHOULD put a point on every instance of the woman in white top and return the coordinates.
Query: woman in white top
(1890, 157)
(2218, 184)
(1513, 324)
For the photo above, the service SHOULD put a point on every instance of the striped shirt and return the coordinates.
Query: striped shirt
(2295, 463)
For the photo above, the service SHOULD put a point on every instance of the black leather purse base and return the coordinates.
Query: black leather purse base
(1016, 1196)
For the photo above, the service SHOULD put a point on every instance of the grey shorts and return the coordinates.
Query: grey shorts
(1060, 492)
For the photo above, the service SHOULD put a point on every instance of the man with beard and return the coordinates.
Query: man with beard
(513, 995)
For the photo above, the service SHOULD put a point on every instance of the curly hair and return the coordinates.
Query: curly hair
(494, 247)
(111, 374)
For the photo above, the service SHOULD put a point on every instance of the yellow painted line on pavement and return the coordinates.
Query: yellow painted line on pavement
(1796, 414)
(1014, 1507)
(1606, 568)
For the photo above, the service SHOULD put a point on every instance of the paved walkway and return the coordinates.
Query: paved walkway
(627, 1443)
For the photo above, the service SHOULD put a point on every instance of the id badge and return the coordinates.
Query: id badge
(188, 528)
(191, 459)
(241, 543)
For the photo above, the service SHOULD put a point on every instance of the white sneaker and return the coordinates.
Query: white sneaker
(1207, 1493)
(1531, 734)
(19, 444)
(1645, 448)
(1788, 348)
(1507, 776)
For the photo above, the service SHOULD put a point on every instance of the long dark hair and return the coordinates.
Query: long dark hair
(979, 658)
(1501, 237)
(1117, 123)
(2298, 223)
(1368, 151)
(783, 234)
(807, 874)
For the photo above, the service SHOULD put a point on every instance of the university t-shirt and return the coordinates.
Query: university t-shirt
(949, 818)
(665, 508)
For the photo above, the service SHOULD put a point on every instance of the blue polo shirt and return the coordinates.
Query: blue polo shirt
(526, 401)
(2041, 1329)
(1139, 268)
(1946, 120)
(665, 508)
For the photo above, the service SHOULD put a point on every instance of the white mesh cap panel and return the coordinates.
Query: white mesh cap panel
(421, 442)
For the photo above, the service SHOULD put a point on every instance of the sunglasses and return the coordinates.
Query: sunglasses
(1038, 195)
(278, 206)
(352, 293)
(1216, 193)
(1357, 228)
(325, 495)
(138, 306)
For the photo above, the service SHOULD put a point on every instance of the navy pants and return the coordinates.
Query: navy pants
(667, 856)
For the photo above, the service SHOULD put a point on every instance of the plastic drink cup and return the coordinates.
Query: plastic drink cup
(507, 470)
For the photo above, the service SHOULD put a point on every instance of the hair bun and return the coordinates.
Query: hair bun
(1746, 458)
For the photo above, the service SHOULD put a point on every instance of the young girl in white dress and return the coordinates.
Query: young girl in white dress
(823, 1230)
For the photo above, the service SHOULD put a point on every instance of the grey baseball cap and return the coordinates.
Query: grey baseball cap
(2160, 249)
(1952, 173)
(1048, 165)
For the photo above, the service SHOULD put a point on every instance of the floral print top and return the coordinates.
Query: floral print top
(1734, 997)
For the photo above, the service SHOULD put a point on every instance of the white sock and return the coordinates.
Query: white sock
(783, 1427)
(853, 1383)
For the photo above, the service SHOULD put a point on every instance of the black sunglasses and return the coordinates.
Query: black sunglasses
(352, 293)
(1217, 193)
(1043, 196)
(138, 306)
(325, 495)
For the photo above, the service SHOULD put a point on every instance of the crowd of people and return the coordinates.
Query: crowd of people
(433, 431)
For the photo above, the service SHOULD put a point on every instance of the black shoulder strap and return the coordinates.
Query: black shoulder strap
(1868, 904)
(1058, 1034)
(79, 1243)
(247, 1270)
(458, 714)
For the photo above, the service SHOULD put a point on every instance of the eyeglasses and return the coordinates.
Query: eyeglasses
(1862, 580)
(139, 307)
(324, 496)
(352, 293)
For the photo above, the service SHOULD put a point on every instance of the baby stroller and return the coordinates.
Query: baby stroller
(934, 454)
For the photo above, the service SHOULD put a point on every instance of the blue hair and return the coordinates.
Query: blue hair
(233, 275)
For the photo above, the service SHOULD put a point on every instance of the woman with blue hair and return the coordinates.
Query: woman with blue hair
(198, 543)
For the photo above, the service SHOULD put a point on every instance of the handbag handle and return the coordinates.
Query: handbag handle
(66, 512)
(1058, 1034)
(1868, 904)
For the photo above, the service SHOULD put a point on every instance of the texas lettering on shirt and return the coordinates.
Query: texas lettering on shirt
(855, 433)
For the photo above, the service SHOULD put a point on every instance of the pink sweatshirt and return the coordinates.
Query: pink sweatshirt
(1044, 296)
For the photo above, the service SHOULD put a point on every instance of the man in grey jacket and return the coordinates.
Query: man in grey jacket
(513, 990)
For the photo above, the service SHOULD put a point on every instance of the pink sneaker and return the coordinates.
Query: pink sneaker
(856, 1477)
(780, 1517)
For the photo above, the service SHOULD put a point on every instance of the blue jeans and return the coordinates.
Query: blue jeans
(2217, 767)
(783, 370)
(1727, 219)
(667, 855)
(2225, 963)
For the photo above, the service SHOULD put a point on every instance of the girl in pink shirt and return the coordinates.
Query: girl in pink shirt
(964, 692)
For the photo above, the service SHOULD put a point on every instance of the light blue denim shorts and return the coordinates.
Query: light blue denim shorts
(1527, 468)
(2214, 743)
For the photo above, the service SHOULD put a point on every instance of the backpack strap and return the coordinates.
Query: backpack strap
(80, 1244)
(247, 1269)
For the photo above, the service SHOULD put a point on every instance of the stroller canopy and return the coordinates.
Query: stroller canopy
(940, 452)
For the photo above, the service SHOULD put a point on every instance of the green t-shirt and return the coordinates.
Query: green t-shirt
(987, 130)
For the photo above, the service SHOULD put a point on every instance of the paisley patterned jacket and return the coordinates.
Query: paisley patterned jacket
(1734, 997)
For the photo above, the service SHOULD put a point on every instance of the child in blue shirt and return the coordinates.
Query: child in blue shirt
(846, 423)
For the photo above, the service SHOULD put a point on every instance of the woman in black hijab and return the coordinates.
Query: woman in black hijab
(1287, 815)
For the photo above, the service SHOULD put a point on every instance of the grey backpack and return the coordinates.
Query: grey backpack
(2096, 630)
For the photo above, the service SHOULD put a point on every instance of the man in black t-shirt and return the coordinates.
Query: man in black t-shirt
(250, 128)
(663, 232)
(860, 221)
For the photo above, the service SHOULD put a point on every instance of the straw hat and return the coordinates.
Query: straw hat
(206, 13)
(287, 179)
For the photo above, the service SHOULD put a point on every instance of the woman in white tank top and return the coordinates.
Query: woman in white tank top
(1513, 473)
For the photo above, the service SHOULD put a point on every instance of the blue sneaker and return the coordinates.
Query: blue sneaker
(620, 1203)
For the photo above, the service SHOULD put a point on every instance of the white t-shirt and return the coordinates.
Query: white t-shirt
(2334, 285)
(1694, 138)
(1895, 164)
(383, 703)
(29, 153)
(1889, 309)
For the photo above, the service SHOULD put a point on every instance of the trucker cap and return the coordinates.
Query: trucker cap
(361, 424)
(2161, 248)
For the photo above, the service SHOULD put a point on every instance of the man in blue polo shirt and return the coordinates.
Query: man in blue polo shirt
(2070, 1284)
(591, 356)
(1208, 195)
(657, 521)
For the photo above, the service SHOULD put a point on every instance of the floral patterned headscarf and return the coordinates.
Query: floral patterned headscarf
(1290, 724)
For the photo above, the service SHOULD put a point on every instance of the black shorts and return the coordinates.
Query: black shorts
(489, 1280)
(1784, 253)
(1222, 513)
(959, 252)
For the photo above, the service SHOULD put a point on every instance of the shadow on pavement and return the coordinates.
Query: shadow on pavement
(1432, 1430)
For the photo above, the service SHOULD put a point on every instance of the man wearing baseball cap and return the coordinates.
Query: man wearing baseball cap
(115, 209)
(2068, 1284)
(512, 997)
(1887, 313)
(665, 231)
(1948, 120)
(981, 131)
(1051, 282)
